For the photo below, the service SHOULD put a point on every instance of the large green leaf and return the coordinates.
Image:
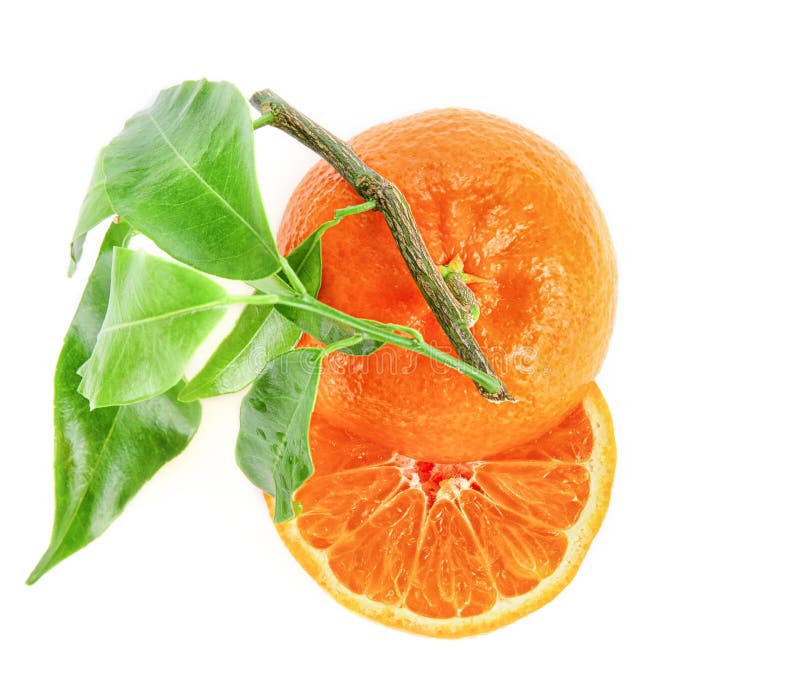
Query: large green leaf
(183, 173)
(159, 312)
(260, 334)
(96, 207)
(272, 449)
(103, 457)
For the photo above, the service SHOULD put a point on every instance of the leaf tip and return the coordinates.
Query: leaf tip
(44, 564)
(54, 554)
(83, 388)
(189, 393)
(75, 251)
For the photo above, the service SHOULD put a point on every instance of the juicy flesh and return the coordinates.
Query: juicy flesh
(444, 540)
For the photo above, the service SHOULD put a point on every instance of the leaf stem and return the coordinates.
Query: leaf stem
(291, 275)
(342, 344)
(395, 209)
(263, 120)
(377, 330)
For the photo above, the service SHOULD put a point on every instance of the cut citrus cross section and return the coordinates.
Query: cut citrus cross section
(453, 549)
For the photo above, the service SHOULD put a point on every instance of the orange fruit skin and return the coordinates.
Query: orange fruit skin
(521, 216)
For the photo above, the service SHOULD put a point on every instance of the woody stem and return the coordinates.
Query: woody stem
(397, 213)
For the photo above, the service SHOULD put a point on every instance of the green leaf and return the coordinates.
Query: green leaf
(273, 449)
(96, 207)
(260, 334)
(183, 173)
(159, 312)
(306, 259)
(103, 457)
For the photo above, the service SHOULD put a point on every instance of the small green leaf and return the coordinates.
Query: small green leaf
(306, 259)
(183, 173)
(260, 334)
(103, 457)
(96, 207)
(158, 314)
(272, 449)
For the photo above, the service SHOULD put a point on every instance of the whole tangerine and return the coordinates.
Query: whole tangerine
(538, 258)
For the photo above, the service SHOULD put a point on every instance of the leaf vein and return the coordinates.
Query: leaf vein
(63, 534)
(165, 316)
(204, 182)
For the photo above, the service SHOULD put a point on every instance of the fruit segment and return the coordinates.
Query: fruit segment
(451, 577)
(337, 504)
(520, 552)
(549, 492)
(377, 559)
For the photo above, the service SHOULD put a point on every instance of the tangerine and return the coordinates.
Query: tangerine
(521, 218)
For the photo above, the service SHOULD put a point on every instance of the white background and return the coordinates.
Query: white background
(684, 119)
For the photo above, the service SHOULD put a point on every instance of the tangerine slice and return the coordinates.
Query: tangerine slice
(453, 549)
